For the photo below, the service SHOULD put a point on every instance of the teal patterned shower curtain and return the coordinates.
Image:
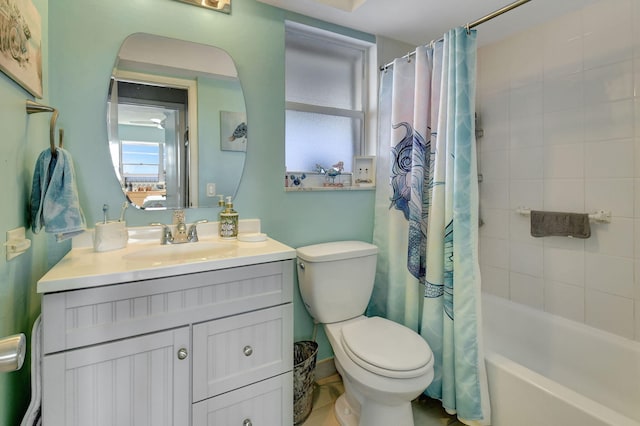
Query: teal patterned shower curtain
(426, 220)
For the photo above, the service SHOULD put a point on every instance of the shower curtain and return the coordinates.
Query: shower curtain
(426, 220)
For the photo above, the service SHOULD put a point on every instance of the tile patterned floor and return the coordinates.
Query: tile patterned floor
(426, 411)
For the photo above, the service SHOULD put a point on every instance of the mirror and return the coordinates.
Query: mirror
(176, 120)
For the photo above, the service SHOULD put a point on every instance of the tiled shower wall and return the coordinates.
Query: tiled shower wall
(560, 108)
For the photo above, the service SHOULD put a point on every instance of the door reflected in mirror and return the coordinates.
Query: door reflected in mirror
(177, 123)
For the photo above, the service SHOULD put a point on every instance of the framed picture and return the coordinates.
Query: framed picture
(233, 131)
(223, 6)
(21, 44)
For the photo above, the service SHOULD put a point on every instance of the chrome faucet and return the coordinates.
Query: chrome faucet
(182, 235)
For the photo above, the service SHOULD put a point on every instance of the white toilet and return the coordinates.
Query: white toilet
(383, 364)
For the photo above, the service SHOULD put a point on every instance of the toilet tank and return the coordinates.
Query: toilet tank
(336, 279)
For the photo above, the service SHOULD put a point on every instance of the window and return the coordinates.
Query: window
(327, 88)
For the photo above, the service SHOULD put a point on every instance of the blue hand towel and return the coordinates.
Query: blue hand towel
(54, 197)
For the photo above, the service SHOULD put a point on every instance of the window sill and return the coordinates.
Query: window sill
(328, 188)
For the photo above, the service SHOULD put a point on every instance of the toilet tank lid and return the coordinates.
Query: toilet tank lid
(336, 250)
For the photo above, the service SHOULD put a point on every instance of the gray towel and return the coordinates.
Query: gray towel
(547, 224)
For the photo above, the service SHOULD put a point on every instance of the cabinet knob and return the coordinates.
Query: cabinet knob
(247, 422)
(182, 353)
(248, 350)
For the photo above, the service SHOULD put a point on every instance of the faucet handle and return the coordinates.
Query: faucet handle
(192, 235)
(166, 237)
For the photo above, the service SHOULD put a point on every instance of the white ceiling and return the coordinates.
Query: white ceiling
(418, 22)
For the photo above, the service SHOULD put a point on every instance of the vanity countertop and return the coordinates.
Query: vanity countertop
(82, 267)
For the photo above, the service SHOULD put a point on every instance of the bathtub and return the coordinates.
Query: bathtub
(547, 370)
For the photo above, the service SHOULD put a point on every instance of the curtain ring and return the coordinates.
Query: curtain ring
(409, 57)
(468, 28)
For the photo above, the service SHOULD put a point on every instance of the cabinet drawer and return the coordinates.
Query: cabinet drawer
(265, 403)
(85, 317)
(233, 352)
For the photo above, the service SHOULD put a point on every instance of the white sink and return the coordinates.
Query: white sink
(181, 253)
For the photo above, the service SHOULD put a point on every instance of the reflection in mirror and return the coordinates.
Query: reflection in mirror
(177, 123)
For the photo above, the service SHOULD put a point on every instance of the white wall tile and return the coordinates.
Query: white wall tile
(564, 161)
(615, 195)
(495, 281)
(609, 83)
(526, 163)
(603, 22)
(525, 68)
(564, 195)
(563, 91)
(496, 223)
(564, 265)
(561, 103)
(562, 45)
(494, 164)
(527, 290)
(564, 127)
(493, 119)
(494, 252)
(610, 159)
(610, 313)
(494, 193)
(610, 274)
(526, 101)
(526, 193)
(520, 230)
(526, 258)
(611, 120)
(612, 239)
(564, 300)
(493, 68)
(526, 131)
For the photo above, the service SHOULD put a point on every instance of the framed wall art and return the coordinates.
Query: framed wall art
(223, 6)
(233, 131)
(21, 44)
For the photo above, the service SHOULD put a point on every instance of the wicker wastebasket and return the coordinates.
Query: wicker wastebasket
(304, 365)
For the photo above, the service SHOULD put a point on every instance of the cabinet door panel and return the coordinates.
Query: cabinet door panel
(265, 403)
(233, 352)
(133, 382)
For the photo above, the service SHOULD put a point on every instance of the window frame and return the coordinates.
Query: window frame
(366, 144)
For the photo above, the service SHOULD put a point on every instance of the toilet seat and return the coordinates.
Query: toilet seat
(386, 348)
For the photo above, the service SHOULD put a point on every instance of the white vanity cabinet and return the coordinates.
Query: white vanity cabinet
(204, 348)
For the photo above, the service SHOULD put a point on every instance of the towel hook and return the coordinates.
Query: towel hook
(35, 107)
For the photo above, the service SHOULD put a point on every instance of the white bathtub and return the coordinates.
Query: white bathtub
(547, 370)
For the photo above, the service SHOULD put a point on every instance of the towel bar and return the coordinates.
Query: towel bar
(35, 107)
(600, 216)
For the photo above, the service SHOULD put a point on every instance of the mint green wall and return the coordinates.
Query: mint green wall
(23, 138)
(85, 36)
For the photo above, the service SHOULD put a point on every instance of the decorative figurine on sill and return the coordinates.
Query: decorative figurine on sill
(297, 181)
(334, 172)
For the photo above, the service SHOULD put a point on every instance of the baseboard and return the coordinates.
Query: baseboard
(325, 368)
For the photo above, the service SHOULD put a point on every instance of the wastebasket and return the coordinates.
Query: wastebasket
(304, 365)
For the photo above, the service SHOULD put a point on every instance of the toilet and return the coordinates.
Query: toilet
(384, 365)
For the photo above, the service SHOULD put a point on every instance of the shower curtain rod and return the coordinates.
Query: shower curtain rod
(473, 24)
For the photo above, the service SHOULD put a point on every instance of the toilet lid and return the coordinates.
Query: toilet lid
(386, 348)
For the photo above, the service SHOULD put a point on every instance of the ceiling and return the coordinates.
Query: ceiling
(418, 22)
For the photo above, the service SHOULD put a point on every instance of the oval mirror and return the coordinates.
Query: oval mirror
(176, 119)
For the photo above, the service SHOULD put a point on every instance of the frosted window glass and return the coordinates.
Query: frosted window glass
(320, 139)
(323, 73)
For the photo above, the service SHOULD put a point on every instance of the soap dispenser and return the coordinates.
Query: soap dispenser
(228, 224)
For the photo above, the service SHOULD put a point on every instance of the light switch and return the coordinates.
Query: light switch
(211, 190)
